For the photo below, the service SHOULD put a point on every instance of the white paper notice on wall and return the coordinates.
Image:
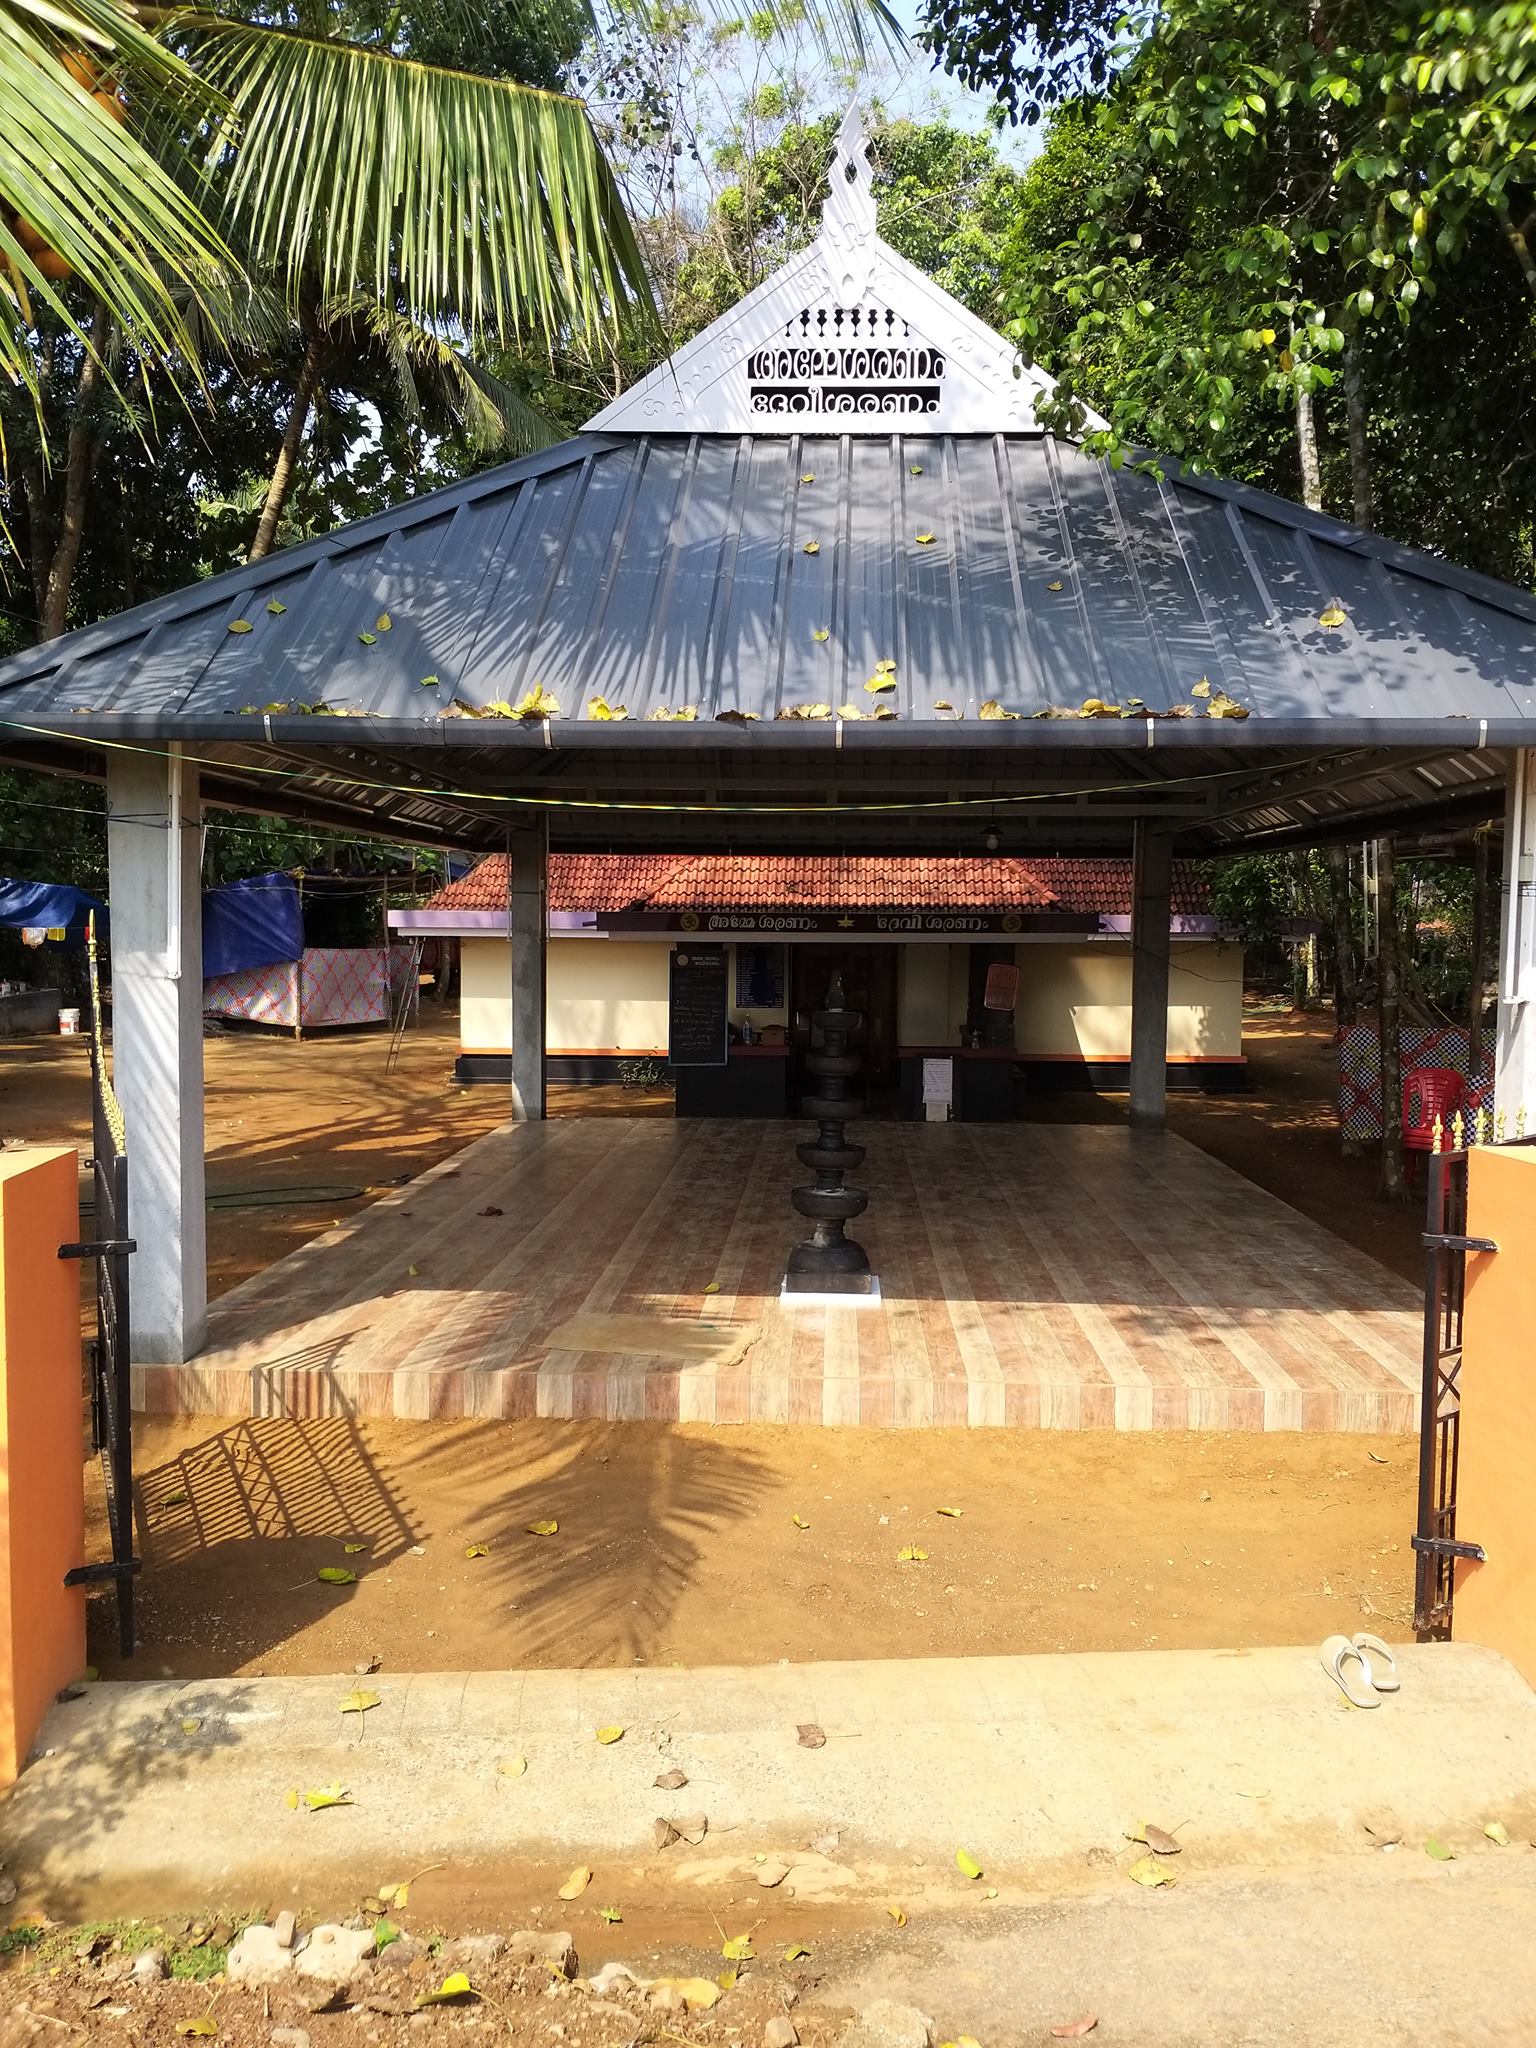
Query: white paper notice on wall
(939, 1082)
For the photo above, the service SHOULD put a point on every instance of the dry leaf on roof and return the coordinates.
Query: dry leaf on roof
(992, 709)
(805, 711)
(884, 711)
(428, 683)
(1202, 688)
(239, 625)
(1223, 706)
(809, 477)
(276, 607)
(602, 710)
(926, 539)
(536, 703)
(1054, 586)
(1335, 615)
(880, 682)
(812, 547)
(736, 718)
(820, 633)
(383, 623)
(849, 711)
(368, 639)
(915, 469)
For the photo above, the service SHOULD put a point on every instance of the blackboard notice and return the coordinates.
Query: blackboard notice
(696, 1030)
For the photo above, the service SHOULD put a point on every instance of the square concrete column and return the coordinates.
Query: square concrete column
(154, 864)
(528, 927)
(1151, 904)
(1515, 1053)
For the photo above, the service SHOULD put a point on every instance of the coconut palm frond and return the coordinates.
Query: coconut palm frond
(80, 193)
(491, 411)
(461, 196)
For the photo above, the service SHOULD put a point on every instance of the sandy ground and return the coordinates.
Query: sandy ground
(678, 1544)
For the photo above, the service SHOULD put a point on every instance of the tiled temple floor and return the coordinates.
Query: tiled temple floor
(1058, 1276)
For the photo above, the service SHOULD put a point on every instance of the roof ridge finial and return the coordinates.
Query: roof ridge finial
(848, 218)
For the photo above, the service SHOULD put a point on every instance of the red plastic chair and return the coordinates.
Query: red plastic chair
(1430, 1095)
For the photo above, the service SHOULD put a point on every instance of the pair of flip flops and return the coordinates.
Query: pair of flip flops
(1361, 1666)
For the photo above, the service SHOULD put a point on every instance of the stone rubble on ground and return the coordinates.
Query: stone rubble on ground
(288, 2037)
(284, 1929)
(334, 1955)
(259, 1958)
(885, 2024)
(149, 1966)
(781, 2032)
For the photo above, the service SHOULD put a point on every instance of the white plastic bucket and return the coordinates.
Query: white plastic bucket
(69, 1023)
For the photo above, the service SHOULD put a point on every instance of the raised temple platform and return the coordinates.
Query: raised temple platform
(1038, 1276)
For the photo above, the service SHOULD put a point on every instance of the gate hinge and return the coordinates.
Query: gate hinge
(98, 1248)
(99, 1574)
(1436, 1241)
(1447, 1546)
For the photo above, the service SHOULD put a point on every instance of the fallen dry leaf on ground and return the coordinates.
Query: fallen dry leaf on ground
(672, 1781)
(336, 1575)
(358, 1702)
(328, 1795)
(543, 1529)
(773, 1872)
(1074, 2030)
(1158, 1840)
(693, 1827)
(1439, 1850)
(607, 1736)
(452, 1987)
(682, 1994)
(810, 1736)
(512, 1766)
(737, 1948)
(1496, 1832)
(1148, 1871)
(576, 1883)
(911, 1554)
(664, 1832)
(477, 1550)
(898, 1914)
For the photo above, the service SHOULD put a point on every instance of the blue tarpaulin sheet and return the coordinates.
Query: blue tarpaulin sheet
(251, 924)
(50, 906)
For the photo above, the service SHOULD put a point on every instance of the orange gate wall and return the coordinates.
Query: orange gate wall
(1495, 1602)
(42, 1500)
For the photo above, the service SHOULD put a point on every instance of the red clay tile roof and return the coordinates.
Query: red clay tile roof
(666, 881)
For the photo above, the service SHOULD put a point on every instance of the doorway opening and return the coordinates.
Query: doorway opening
(869, 986)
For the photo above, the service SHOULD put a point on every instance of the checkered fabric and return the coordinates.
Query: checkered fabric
(1418, 1046)
(337, 985)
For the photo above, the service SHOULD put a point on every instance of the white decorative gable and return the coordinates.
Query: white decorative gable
(847, 338)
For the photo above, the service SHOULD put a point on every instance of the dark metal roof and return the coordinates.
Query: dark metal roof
(671, 571)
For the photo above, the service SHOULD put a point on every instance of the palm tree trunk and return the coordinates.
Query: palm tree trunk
(1306, 444)
(79, 468)
(1360, 476)
(285, 468)
(1389, 1013)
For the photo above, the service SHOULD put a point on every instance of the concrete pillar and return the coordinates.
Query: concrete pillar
(1152, 887)
(1515, 1053)
(154, 847)
(528, 923)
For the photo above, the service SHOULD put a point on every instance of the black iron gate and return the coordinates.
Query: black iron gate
(1435, 1541)
(107, 1352)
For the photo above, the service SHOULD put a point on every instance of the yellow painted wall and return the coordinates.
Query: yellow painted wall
(1076, 1000)
(610, 995)
(603, 995)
